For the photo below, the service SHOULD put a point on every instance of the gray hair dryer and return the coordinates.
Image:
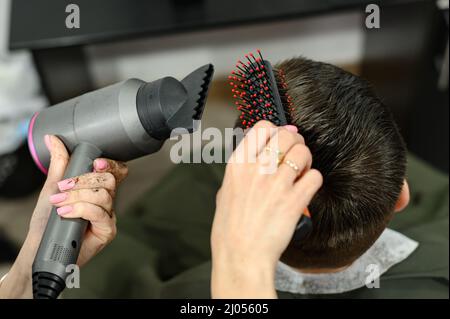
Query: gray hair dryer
(123, 121)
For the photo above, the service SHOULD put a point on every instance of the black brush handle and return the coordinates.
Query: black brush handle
(303, 229)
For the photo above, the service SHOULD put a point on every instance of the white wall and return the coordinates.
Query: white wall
(20, 88)
(4, 25)
(336, 38)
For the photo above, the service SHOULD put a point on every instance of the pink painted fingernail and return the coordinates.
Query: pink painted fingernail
(64, 210)
(66, 184)
(291, 128)
(100, 164)
(48, 142)
(58, 198)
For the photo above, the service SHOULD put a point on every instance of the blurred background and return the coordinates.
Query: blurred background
(42, 63)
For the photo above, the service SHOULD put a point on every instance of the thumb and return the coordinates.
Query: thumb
(59, 158)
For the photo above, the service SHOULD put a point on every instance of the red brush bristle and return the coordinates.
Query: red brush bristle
(253, 90)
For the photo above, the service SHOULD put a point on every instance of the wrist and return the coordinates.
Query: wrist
(242, 280)
(18, 283)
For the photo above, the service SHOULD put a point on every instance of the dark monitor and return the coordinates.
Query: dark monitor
(41, 24)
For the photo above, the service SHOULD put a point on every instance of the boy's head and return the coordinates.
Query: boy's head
(357, 147)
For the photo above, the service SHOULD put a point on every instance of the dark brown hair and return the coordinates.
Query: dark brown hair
(357, 147)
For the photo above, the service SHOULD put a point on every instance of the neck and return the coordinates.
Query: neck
(320, 270)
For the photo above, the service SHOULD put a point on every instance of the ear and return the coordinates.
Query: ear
(403, 198)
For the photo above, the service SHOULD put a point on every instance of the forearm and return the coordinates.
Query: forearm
(18, 282)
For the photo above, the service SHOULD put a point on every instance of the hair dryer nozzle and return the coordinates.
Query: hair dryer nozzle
(197, 84)
(167, 104)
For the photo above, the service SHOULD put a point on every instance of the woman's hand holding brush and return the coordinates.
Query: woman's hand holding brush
(258, 209)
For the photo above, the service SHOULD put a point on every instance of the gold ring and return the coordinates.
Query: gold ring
(280, 154)
(292, 165)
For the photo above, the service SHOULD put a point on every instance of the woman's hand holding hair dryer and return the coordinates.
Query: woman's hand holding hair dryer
(89, 196)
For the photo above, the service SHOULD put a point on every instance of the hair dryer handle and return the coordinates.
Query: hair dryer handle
(62, 238)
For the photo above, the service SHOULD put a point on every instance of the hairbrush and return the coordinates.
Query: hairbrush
(260, 93)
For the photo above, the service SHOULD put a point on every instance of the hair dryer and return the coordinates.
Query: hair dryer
(123, 121)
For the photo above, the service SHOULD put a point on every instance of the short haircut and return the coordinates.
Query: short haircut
(356, 145)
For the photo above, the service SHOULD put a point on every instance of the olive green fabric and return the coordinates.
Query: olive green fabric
(162, 248)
